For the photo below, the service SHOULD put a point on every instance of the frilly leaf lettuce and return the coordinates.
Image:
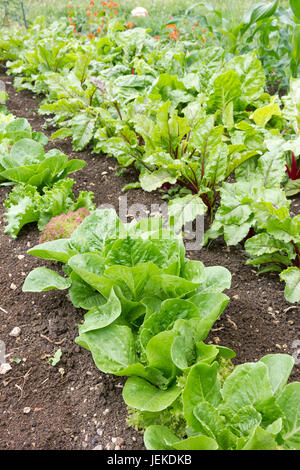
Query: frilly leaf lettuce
(25, 204)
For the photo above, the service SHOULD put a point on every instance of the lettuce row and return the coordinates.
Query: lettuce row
(25, 161)
(41, 190)
(149, 311)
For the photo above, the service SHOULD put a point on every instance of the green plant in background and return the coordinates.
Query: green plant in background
(14, 10)
(295, 60)
(232, 29)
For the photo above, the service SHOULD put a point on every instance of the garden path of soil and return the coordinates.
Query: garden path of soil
(68, 407)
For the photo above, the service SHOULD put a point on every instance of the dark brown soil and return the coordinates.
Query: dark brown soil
(68, 406)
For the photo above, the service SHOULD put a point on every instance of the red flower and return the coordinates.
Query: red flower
(129, 25)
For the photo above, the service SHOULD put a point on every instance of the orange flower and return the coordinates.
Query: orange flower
(90, 36)
(175, 35)
(92, 3)
(157, 38)
(129, 25)
(104, 4)
(88, 13)
(171, 26)
(99, 30)
(203, 40)
(196, 24)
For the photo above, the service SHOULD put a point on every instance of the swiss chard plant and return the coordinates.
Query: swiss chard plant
(258, 216)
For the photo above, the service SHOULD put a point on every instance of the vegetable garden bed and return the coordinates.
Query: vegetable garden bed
(118, 331)
(68, 407)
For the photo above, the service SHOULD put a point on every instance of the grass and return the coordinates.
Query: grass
(160, 11)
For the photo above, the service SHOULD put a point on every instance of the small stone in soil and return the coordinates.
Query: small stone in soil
(15, 332)
(4, 368)
(26, 410)
(117, 440)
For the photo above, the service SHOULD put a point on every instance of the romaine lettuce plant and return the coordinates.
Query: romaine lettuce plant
(28, 163)
(253, 409)
(149, 308)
